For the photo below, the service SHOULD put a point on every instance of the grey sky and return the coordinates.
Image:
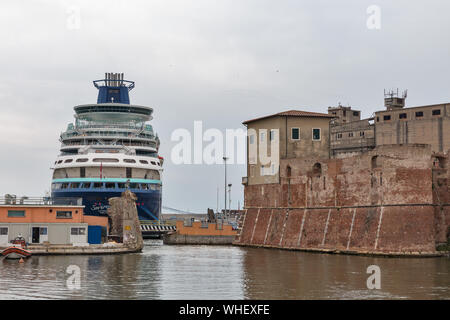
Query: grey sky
(221, 62)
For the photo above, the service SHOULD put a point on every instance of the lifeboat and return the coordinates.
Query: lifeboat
(15, 253)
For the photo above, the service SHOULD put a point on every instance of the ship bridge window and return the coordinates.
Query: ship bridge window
(144, 186)
(134, 186)
(110, 185)
(65, 185)
(105, 160)
(74, 185)
(60, 161)
(83, 160)
(68, 160)
(98, 185)
(56, 186)
(143, 161)
(129, 160)
(121, 185)
(86, 185)
(153, 162)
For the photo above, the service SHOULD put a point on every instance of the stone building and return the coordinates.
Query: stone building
(349, 135)
(372, 186)
(423, 125)
(396, 125)
(300, 134)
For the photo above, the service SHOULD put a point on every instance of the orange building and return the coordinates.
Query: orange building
(55, 224)
(204, 229)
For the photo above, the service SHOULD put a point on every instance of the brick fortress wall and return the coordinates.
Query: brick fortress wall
(391, 200)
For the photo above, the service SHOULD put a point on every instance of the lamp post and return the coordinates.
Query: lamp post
(225, 189)
(229, 197)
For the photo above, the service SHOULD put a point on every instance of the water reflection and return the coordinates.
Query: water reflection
(205, 272)
(300, 275)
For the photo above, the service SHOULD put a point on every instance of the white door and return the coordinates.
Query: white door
(4, 235)
(43, 234)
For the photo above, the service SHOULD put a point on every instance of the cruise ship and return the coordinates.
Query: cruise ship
(110, 147)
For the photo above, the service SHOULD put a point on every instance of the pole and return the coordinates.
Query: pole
(217, 207)
(225, 160)
(229, 197)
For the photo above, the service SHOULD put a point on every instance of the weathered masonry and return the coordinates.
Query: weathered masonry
(386, 198)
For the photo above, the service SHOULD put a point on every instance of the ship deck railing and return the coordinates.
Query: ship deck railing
(150, 145)
(39, 201)
(101, 134)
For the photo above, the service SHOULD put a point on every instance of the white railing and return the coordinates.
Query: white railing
(11, 199)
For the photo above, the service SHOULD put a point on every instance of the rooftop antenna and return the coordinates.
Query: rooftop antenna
(392, 99)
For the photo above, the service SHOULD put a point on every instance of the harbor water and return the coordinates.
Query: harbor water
(222, 272)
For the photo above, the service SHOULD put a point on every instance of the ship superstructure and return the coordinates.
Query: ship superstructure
(109, 148)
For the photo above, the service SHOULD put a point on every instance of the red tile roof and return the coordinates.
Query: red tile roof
(294, 113)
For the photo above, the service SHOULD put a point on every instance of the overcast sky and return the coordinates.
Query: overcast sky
(219, 61)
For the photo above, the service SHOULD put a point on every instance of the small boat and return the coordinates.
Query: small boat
(15, 253)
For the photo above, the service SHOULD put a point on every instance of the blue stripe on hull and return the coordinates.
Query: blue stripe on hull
(96, 202)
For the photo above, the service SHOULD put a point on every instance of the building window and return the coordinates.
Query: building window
(316, 134)
(3, 231)
(252, 139)
(362, 133)
(317, 169)
(387, 118)
(350, 134)
(419, 114)
(355, 113)
(402, 116)
(374, 162)
(78, 231)
(128, 172)
(436, 112)
(339, 136)
(16, 213)
(82, 172)
(295, 133)
(63, 214)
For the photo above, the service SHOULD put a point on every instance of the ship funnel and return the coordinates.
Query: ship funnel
(113, 88)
